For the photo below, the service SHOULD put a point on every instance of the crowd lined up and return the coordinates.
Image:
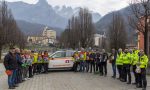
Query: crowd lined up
(21, 65)
(94, 61)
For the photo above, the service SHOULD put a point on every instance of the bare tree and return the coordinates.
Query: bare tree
(10, 34)
(80, 30)
(139, 19)
(117, 32)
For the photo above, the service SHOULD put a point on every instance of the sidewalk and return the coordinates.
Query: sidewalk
(65, 80)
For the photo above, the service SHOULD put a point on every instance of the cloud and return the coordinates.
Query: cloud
(101, 6)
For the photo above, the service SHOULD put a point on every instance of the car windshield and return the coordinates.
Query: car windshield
(58, 55)
(69, 53)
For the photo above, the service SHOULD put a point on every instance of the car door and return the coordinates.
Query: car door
(59, 60)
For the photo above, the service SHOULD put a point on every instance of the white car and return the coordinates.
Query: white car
(61, 60)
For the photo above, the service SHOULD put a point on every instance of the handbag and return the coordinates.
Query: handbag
(8, 72)
(138, 70)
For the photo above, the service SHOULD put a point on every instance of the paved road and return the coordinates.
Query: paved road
(66, 80)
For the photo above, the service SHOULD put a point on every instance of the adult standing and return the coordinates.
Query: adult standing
(11, 66)
(126, 66)
(82, 56)
(19, 61)
(135, 59)
(92, 58)
(45, 63)
(113, 57)
(104, 63)
(141, 70)
(119, 63)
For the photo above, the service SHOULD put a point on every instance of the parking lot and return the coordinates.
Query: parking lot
(67, 80)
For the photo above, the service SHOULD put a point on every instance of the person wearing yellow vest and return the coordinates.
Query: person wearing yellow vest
(76, 61)
(35, 58)
(135, 58)
(119, 63)
(141, 70)
(82, 56)
(126, 66)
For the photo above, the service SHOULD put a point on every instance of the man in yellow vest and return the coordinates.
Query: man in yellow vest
(135, 58)
(141, 70)
(82, 56)
(119, 63)
(126, 66)
(35, 59)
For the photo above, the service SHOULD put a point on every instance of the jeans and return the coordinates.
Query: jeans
(82, 65)
(14, 77)
(114, 69)
(10, 80)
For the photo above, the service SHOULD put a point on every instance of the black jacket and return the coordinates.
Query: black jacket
(10, 62)
(104, 57)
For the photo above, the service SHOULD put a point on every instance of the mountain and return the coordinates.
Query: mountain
(34, 28)
(45, 14)
(68, 12)
(102, 24)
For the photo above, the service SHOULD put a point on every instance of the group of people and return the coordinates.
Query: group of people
(21, 65)
(122, 61)
(91, 61)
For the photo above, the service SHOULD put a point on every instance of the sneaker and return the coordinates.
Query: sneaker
(139, 86)
(129, 83)
(11, 88)
(113, 76)
(134, 83)
(25, 79)
(28, 78)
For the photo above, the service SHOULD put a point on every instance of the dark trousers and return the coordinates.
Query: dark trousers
(87, 65)
(30, 72)
(120, 68)
(97, 66)
(114, 69)
(142, 81)
(75, 66)
(126, 72)
(92, 66)
(135, 74)
(10, 79)
(34, 68)
(19, 75)
(45, 67)
(103, 68)
(39, 67)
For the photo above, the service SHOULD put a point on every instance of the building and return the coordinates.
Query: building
(48, 36)
(99, 40)
(140, 35)
(49, 33)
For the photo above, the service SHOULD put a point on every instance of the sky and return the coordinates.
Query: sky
(101, 6)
